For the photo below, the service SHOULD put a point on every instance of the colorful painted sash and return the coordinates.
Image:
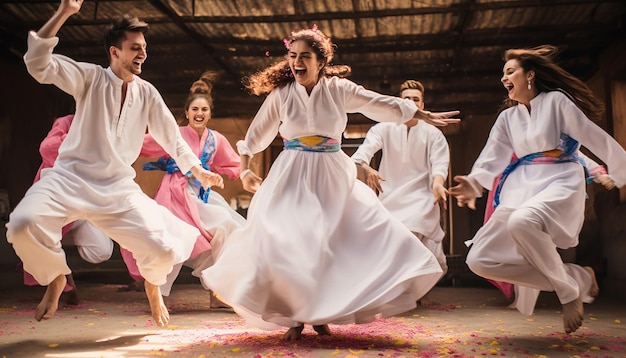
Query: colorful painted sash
(564, 153)
(314, 143)
(168, 165)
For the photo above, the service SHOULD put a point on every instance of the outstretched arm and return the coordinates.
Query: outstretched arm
(440, 119)
(66, 9)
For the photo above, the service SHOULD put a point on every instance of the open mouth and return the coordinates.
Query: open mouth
(300, 71)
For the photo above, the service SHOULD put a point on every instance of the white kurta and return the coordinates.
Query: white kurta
(318, 246)
(411, 157)
(93, 178)
(542, 205)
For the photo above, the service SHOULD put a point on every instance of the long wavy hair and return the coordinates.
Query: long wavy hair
(279, 74)
(201, 88)
(551, 77)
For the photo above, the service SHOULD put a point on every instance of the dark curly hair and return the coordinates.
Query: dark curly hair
(279, 74)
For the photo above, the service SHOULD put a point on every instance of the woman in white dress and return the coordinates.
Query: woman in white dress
(540, 199)
(318, 246)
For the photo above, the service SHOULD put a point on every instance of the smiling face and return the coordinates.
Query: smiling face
(304, 64)
(515, 80)
(414, 95)
(198, 113)
(127, 60)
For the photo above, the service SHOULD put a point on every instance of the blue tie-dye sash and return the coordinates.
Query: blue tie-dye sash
(564, 153)
(168, 165)
(314, 143)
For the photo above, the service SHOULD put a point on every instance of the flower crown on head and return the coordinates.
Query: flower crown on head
(287, 42)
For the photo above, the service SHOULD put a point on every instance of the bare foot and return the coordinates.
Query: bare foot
(322, 330)
(426, 301)
(594, 289)
(294, 333)
(573, 315)
(215, 302)
(50, 301)
(72, 296)
(157, 307)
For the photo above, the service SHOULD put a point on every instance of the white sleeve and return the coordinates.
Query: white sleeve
(263, 128)
(439, 154)
(372, 143)
(379, 107)
(494, 157)
(68, 75)
(165, 131)
(590, 135)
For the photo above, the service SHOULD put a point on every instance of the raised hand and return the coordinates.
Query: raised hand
(66, 9)
(440, 119)
(71, 7)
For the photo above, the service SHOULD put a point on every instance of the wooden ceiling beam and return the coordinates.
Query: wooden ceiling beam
(336, 15)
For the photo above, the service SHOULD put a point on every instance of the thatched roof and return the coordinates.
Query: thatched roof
(453, 46)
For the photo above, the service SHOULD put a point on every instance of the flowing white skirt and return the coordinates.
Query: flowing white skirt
(319, 248)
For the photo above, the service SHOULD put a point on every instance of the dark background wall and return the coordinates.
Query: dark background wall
(27, 110)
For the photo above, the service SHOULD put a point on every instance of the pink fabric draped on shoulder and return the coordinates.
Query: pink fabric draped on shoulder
(506, 288)
(172, 191)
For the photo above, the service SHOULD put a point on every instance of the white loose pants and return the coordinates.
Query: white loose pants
(513, 247)
(157, 238)
(93, 245)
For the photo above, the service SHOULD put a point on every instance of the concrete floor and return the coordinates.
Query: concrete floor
(469, 321)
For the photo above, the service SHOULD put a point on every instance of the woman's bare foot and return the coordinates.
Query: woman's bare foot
(426, 301)
(157, 307)
(322, 330)
(71, 296)
(50, 301)
(294, 333)
(573, 315)
(215, 302)
(594, 289)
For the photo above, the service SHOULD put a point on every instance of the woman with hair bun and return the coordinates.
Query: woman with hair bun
(181, 193)
(318, 246)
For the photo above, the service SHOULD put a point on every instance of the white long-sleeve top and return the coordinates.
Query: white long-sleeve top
(553, 191)
(520, 132)
(411, 157)
(294, 113)
(105, 137)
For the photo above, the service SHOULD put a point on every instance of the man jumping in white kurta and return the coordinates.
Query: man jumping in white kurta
(93, 178)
